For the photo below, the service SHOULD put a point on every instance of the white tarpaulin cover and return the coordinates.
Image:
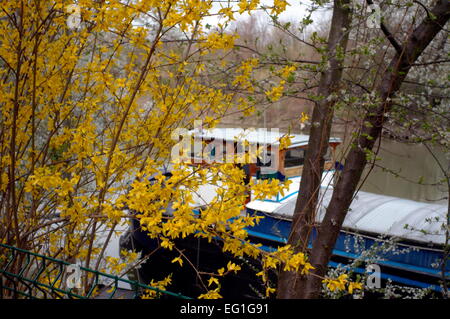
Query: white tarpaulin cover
(377, 214)
(253, 136)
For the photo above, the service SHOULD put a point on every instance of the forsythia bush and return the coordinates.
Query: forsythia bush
(90, 95)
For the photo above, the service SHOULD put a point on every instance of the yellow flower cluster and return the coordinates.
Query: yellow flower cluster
(245, 5)
(211, 294)
(342, 284)
(185, 14)
(228, 12)
(269, 187)
(304, 118)
(287, 71)
(279, 6)
(286, 257)
(285, 141)
(244, 71)
(50, 180)
(219, 41)
(276, 92)
(161, 285)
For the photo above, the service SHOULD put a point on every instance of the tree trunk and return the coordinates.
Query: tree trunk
(356, 159)
(290, 283)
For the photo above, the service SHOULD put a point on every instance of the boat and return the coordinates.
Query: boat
(413, 258)
(370, 216)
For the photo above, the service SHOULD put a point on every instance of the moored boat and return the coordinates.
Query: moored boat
(415, 256)
(414, 225)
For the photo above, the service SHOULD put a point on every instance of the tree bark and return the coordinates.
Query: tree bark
(356, 160)
(290, 283)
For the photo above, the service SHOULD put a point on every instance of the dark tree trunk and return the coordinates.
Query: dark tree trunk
(289, 282)
(356, 159)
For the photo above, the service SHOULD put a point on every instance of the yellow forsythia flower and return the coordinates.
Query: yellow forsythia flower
(276, 92)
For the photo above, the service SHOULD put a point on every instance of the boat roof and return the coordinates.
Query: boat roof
(374, 213)
(254, 136)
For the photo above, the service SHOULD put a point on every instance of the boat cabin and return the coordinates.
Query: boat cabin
(237, 145)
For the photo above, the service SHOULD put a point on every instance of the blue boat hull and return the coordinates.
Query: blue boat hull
(414, 268)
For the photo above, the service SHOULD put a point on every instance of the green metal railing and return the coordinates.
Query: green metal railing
(30, 275)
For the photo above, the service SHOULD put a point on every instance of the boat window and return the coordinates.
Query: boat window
(294, 157)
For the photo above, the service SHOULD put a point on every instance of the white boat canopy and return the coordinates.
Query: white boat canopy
(375, 214)
(253, 136)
